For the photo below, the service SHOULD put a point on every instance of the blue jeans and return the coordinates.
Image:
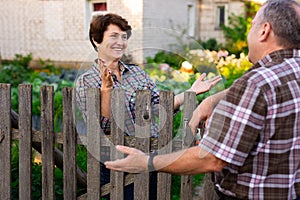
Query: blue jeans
(128, 190)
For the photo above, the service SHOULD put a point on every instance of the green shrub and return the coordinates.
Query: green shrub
(211, 44)
(174, 60)
(238, 28)
(36, 177)
(17, 71)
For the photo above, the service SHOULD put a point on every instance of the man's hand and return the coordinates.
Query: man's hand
(205, 109)
(202, 112)
(135, 162)
(200, 86)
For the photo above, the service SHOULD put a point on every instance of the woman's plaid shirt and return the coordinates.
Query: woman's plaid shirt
(133, 79)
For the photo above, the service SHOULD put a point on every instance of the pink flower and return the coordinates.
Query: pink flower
(164, 67)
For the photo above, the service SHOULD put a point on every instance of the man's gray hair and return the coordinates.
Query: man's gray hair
(284, 18)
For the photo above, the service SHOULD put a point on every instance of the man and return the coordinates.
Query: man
(252, 141)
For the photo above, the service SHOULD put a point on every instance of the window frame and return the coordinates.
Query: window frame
(218, 24)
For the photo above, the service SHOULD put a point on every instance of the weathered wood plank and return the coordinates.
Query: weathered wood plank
(117, 137)
(36, 144)
(25, 141)
(166, 112)
(93, 144)
(81, 140)
(188, 140)
(142, 134)
(47, 129)
(70, 138)
(5, 142)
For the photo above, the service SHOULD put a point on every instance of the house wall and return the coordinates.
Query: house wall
(165, 23)
(48, 29)
(208, 13)
(58, 30)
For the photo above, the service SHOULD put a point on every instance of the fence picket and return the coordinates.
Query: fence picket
(5, 142)
(117, 136)
(47, 129)
(93, 144)
(188, 139)
(70, 138)
(25, 141)
(142, 135)
(166, 112)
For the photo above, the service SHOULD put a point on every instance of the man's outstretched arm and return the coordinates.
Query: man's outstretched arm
(193, 160)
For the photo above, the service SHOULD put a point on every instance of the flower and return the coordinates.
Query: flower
(164, 67)
(187, 67)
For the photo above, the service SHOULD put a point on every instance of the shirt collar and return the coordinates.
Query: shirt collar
(276, 56)
(122, 65)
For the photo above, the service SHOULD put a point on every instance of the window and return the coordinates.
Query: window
(94, 7)
(220, 17)
(99, 7)
(191, 20)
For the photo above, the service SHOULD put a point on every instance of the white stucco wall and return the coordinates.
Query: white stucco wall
(58, 30)
(48, 29)
(164, 23)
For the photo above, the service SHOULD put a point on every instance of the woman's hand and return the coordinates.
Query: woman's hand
(200, 86)
(107, 81)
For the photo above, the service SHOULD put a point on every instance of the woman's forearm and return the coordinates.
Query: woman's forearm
(105, 102)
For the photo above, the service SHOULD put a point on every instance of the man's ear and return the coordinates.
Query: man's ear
(265, 32)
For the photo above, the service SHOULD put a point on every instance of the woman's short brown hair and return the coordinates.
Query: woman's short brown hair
(100, 23)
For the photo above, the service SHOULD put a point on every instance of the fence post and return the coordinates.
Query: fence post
(166, 121)
(117, 136)
(93, 144)
(25, 141)
(187, 140)
(47, 130)
(5, 142)
(142, 135)
(70, 138)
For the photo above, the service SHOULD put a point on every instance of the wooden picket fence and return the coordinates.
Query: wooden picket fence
(94, 142)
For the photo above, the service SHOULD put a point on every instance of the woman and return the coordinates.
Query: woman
(108, 35)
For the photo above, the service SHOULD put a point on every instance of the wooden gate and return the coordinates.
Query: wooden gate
(45, 139)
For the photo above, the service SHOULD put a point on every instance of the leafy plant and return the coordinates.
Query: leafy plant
(18, 71)
(172, 59)
(36, 177)
(237, 30)
(235, 34)
(211, 44)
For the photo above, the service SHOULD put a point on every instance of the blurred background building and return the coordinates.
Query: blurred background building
(58, 29)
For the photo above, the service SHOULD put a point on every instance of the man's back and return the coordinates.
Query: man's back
(260, 136)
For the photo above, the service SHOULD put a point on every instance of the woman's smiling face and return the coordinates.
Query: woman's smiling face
(114, 43)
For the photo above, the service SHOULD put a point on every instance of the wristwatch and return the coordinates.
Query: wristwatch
(150, 161)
